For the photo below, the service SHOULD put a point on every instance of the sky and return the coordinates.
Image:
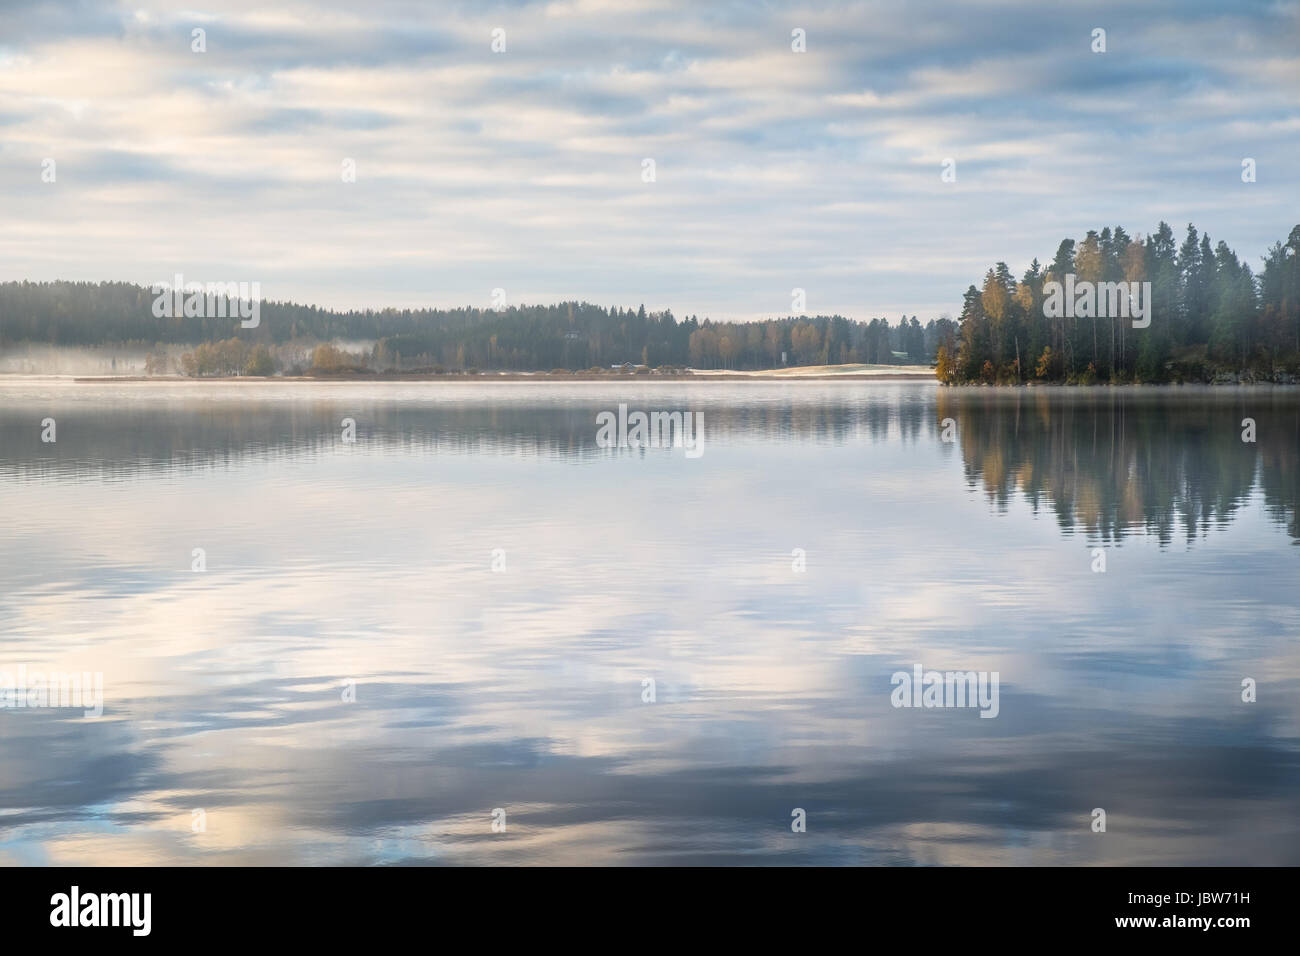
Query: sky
(525, 168)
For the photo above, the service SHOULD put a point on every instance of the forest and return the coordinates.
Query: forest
(1213, 318)
(294, 338)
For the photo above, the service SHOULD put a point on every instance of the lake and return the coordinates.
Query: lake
(473, 635)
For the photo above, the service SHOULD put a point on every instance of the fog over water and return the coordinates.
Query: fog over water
(28, 358)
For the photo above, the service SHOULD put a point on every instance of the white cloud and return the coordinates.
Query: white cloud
(523, 168)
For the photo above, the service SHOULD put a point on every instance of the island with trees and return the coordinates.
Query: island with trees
(1213, 319)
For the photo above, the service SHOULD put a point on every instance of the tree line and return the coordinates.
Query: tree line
(570, 335)
(1212, 317)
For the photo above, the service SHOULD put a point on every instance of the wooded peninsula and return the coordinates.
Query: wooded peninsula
(1207, 318)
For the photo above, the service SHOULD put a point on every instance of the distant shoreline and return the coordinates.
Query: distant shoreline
(489, 378)
(542, 378)
(798, 373)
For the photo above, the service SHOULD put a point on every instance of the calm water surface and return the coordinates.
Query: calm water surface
(521, 689)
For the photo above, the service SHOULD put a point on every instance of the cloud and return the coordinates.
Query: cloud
(522, 169)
